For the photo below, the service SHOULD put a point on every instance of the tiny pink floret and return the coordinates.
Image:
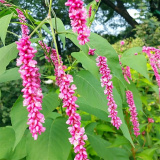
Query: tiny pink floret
(133, 112)
(91, 51)
(107, 83)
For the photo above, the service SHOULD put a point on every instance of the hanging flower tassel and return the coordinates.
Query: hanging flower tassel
(133, 112)
(154, 58)
(78, 16)
(69, 102)
(32, 92)
(107, 83)
(22, 19)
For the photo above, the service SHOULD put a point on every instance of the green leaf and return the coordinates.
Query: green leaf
(7, 54)
(136, 96)
(19, 119)
(6, 140)
(85, 106)
(33, 40)
(101, 146)
(89, 88)
(103, 48)
(53, 144)
(10, 75)
(20, 150)
(88, 62)
(50, 102)
(4, 23)
(147, 154)
(132, 51)
(138, 63)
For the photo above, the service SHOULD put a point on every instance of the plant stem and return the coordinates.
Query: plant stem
(14, 34)
(38, 27)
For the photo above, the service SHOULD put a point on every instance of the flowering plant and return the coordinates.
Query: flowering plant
(85, 111)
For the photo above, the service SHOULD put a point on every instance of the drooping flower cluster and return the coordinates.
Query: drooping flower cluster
(22, 19)
(91, 51)
(126, 71)
(107, 83)
(154, 58)
(32, 92)
(78, 16)
(67, 95)
(133, 112)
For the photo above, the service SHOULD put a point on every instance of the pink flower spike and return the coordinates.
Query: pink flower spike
(154, 58)
(90, 11)
(91, 51)
(107, 83)
(22, 19)
(67, 91)
(32, 92)
(97, 0)
(78, 16)
(133, 112)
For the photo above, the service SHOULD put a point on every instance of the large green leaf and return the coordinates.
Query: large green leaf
(20, 150)
(10, 75)
(88, 62)
(7, 54)
(103, 48)
(4, 23)
(53, 144)
(103, 147)
(50, 102)
(89, 88)
(132, 51)
(19, 119)
(6, 140)
(138, 63)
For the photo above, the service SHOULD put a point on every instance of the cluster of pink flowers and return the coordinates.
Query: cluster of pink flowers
(154, 58)
(126, 71)
(22, 19)
(67, 95)
(32, 92)
(106, 81)
(130, 100)
(133, 112)
(2, 1)
(91, 51)
(150, 120)
(78, 16)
